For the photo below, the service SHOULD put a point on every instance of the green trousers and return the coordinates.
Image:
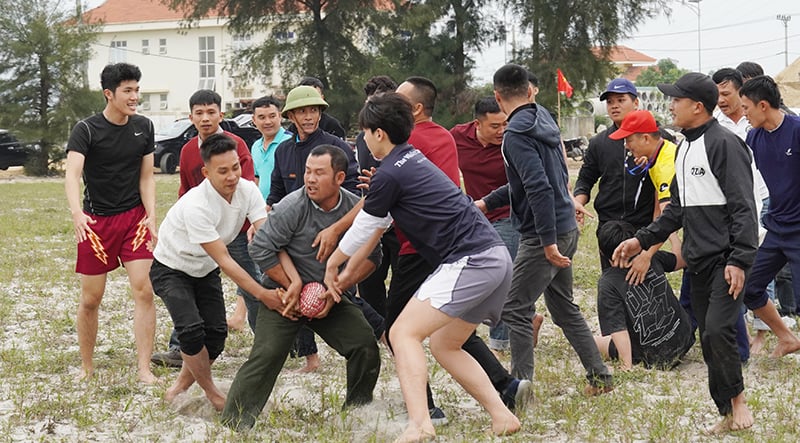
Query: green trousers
(344, 329)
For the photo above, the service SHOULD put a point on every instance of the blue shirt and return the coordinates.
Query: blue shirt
(777, 156)
(264, 159)
(440, 221)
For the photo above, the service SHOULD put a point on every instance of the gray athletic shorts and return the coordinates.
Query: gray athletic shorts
(474, 288)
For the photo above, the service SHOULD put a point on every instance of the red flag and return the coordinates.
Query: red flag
(563, 84)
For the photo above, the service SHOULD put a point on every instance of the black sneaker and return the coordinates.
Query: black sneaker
(516, 394)
(437, 416)
(170, 359)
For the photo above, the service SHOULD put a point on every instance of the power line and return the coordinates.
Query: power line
(720, 47)
(713, 28)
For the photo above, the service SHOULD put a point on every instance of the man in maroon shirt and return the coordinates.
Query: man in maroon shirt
(206, 116)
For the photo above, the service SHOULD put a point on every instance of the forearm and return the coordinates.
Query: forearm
(278, 274)
(72, 182)
(147, 190)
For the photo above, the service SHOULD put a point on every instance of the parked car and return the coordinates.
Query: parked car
(12, 151)
(170, 140)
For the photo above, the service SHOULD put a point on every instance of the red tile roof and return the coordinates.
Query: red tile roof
(130, 11)
(625, 55)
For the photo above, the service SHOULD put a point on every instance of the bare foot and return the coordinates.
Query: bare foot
(236, 323)
(84, 374)
(786, 347)
(537, 321)
(506, 426)
(724, 426)
(413, 434)
(173, 392)
(594, 391)
(217, 400)
(741, 418)
(312, 364)
(757, 345)
(147, 377)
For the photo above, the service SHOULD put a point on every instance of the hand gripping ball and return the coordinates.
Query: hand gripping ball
(310, 303)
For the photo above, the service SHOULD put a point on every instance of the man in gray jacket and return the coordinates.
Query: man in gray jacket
(292, 225)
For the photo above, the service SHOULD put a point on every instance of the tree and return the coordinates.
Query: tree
(42, 50)
(665, 71)
(307, 37)
(565, 33)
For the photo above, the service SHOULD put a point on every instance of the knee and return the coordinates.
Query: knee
(192, 339)
(90, 300)
(215, 341)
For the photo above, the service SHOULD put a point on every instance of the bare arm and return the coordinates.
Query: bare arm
(219, 252)
(147, 191)
(72, 187)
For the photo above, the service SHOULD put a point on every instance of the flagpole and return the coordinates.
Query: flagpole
(559, 108)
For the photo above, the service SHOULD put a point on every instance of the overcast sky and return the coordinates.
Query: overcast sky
(731, 31)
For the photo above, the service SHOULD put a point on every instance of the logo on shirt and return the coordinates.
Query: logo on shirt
(697, 171)
(663, 187)
(789, 152)
(136, 134)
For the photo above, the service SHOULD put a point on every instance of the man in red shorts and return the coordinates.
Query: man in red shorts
(113, 152)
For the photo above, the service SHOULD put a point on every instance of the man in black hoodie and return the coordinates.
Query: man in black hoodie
(713, 199)
(542, 210)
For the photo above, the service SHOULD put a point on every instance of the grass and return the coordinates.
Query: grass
(40, 401)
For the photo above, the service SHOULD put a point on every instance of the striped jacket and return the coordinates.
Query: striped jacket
(712, 199)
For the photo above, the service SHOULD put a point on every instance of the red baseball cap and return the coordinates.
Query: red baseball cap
(636, 122)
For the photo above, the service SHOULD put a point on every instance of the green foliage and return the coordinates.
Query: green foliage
(41, 86)
(665, 71)
(564, 33)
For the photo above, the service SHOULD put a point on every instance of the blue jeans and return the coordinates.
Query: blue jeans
(498, 334)
(238, 252)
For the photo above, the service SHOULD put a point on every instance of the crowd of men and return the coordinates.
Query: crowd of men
(302, 205)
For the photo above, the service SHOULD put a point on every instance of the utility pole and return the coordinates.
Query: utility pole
(696, 9)
(785, 19)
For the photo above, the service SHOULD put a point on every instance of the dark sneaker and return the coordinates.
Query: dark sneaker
(517, 394)
(437, 416)
(170, 359)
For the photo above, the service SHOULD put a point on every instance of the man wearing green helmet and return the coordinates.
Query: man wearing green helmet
(304, 106)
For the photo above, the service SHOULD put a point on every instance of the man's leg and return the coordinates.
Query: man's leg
(255, 380)
(567, 315)
(373, 288)
(144, 315)
(716, 315)
(346, 330)
(409, 274)
(92, 289)
(418, 321)
(770, 259)
(498, 334)
(784, 292)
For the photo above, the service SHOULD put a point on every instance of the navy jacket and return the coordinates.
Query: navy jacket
(537, 175)
(290, 164)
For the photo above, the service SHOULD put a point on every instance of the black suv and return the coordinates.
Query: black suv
(12, 152)
(170, 140)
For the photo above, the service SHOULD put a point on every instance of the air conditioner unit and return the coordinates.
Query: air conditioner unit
(145, 106)
(164, 105)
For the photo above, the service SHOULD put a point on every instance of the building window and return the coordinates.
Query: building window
(164, 104)
(241, 42)
(144, 104)
(207, 66)
(118, 52)
(145, 47)
(162, 46)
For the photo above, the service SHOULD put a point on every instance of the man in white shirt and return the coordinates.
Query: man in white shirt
(185, 271)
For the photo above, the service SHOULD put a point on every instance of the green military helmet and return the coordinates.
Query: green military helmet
(303, 96)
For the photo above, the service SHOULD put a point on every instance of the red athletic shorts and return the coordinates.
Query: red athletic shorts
(113, 240)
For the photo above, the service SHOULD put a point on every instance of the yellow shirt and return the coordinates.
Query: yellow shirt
(663, 170)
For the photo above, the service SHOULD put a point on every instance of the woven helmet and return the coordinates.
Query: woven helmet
(303, 96)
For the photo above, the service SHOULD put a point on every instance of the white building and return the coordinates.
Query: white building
(175, 61)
